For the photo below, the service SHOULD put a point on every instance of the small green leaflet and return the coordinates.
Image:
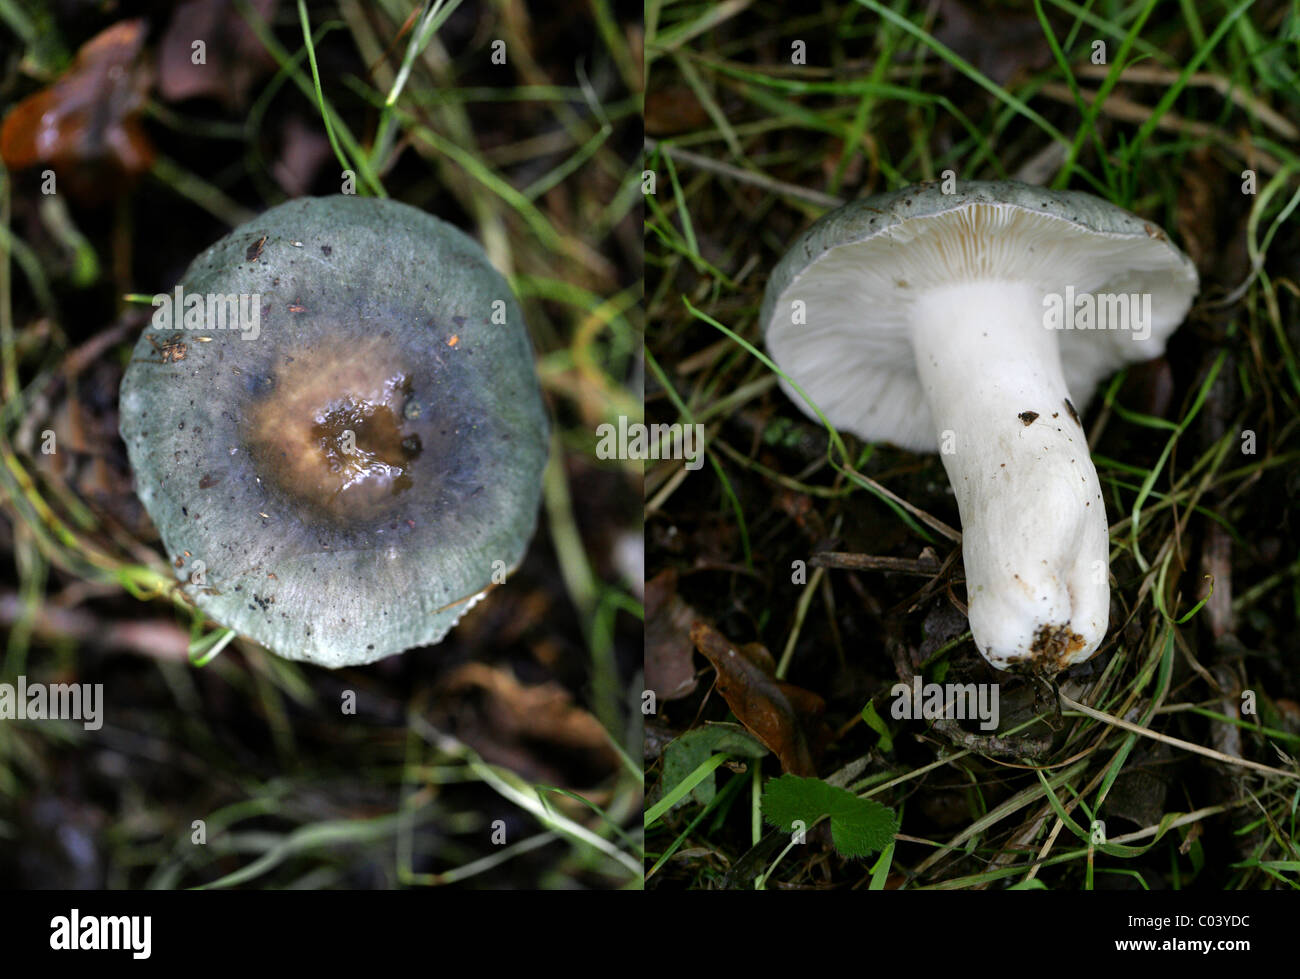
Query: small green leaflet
(858, 826)
(687, 753)
(877, 724)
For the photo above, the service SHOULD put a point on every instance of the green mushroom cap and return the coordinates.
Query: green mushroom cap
(336, 426)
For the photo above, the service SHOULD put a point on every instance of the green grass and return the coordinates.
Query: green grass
(531, 159)
(751, 151)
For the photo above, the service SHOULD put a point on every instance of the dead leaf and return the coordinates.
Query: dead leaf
(302, 152)
(52, 623)
(536, 730)
(786, 718)
(87, 123)
(672, 110)
(1017, 44)
(669, 652)
(1139, 793)
(1197, 213)
(233, 59)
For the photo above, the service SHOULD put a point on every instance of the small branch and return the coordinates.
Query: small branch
(744, 176)
(1176, 742)
(844, 561)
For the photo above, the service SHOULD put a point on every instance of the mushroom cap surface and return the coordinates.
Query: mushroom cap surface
(858, 269)
(343, 481)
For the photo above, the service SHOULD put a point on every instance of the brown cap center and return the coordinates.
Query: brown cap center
(333, 428)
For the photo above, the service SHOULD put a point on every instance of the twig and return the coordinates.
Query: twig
(1238, 96)
(844, 561)
(744, 176)
(1176, 742)
(1126, 110)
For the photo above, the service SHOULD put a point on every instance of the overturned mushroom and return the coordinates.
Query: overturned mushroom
(336, 425)
(978, 323)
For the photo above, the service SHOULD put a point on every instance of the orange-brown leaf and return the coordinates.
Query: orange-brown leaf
(786, 718)
(90, 115)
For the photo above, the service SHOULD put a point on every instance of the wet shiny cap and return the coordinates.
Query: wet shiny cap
(337, 429)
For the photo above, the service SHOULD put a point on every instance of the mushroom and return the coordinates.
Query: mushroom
(345, 467)
(978, 323)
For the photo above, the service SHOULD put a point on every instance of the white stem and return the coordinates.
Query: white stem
(1035, 540)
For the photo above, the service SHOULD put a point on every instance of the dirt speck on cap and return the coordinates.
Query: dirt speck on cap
(1027, 417)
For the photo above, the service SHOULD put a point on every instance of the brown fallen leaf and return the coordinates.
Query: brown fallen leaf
(1197, 213)
(303, 150)
(157, 638)
(87, 123)
(1289, 714)
(669, 652)
(786, 718)
(1016, 45)
(536, 730)
(673, 110)
(233, 57)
